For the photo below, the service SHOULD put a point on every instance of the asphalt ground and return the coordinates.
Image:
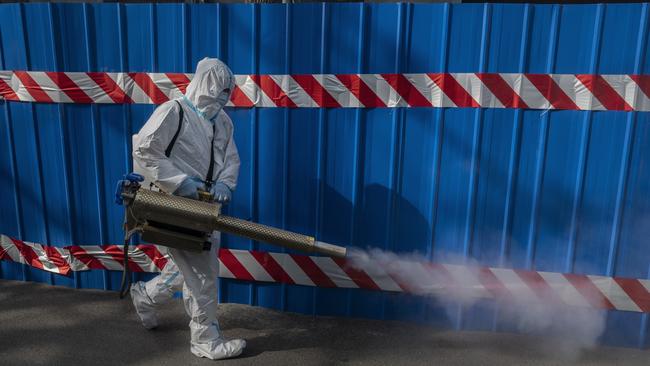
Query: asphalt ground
(47, 325)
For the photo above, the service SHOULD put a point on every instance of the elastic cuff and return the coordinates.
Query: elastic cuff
(232, 188)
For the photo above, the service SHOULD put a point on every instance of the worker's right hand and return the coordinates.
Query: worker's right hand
(189, 188)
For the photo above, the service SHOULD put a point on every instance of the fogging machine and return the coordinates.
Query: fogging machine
(187, 224)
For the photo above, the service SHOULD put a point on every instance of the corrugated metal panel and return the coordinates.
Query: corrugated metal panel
(551, 190)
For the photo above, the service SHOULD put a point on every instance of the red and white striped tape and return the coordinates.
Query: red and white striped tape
(142, 258)
(613, 293)
(448, 90)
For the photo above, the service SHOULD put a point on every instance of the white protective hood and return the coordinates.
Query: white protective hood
(210, 87)
(203, 116)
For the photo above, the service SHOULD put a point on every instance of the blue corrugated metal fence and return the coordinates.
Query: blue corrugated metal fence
(564, 191)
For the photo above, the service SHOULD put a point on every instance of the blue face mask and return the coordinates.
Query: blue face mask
(221, 100)
(199, 113)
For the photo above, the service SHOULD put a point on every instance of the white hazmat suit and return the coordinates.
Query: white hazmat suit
(180, 171)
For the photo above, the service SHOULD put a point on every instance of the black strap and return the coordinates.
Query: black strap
(208, 177)
(168, 150)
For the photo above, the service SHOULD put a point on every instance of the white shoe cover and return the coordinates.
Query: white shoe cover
(220, 349)
(143, 306)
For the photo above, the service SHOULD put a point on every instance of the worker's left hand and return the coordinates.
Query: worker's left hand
(221, 193)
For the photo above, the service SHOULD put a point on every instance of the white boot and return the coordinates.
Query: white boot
(143, 305)
(219, 350)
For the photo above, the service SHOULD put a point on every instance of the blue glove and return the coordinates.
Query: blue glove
(221, 193)
(127, 180)
(189, 187)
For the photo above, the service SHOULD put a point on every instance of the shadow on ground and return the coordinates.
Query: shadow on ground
(46, 325)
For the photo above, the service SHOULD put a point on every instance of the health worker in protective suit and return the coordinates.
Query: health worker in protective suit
(186, 145)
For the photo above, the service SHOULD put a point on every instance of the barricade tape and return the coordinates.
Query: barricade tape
(440, 90)
(612, 293)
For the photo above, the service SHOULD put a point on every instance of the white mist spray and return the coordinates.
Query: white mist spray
(544, 311)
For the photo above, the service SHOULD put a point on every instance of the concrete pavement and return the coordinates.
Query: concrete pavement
(46, 325)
